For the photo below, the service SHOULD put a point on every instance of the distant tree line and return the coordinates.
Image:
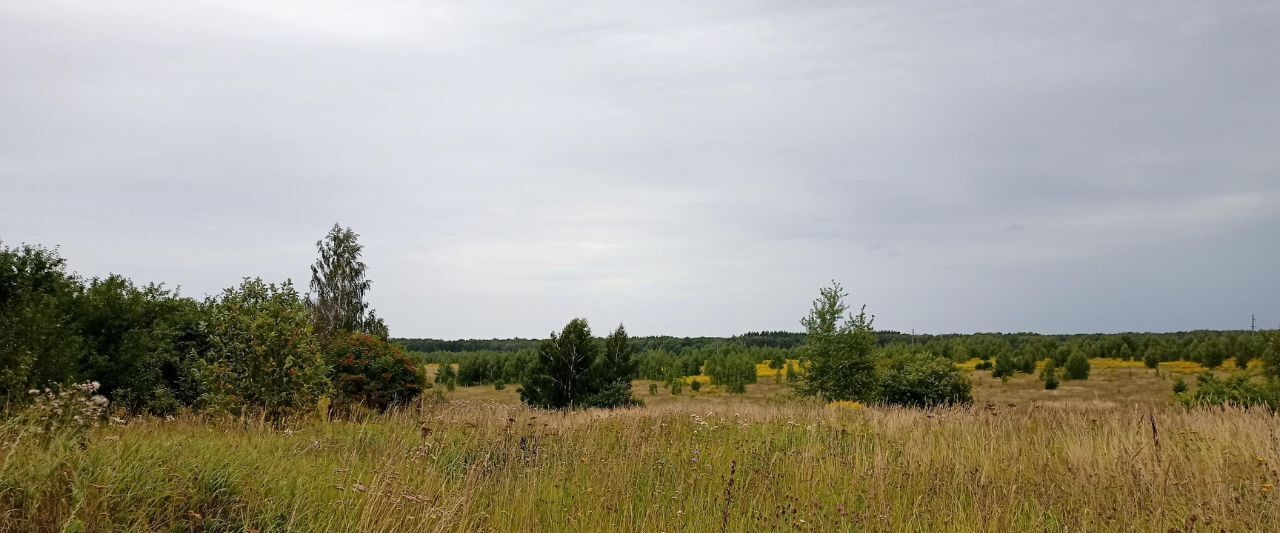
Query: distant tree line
(841, 357)
(1012, 352)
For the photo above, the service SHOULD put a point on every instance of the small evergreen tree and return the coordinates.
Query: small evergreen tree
(1077, 366)
(1050, 375)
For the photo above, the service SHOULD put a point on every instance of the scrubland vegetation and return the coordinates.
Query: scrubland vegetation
(740, 466)
(134, 408)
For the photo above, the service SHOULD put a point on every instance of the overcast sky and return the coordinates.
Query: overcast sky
(687, 168)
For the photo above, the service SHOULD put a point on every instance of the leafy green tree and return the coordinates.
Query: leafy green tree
(572, 370)
(1077, 366)
(923, 380)
(141, 344)
(338, 287)
(372, 372)
(39, 344)
(263, 353)
(837, 350)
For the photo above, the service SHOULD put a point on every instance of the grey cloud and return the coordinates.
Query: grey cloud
(685, 168)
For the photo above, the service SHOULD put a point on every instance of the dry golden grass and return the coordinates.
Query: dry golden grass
(742, 466)
(1108, 454)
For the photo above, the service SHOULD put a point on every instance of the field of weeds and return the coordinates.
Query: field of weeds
(744, 466)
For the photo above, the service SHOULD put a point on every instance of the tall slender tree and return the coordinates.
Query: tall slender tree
(339, 285)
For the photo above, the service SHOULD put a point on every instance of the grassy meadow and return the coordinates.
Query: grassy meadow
(1111, 453)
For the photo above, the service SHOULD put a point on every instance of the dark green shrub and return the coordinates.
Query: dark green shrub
(1238, 390)
(611, 395)
(923, 380)
(695, 386)
(1077, 367)
(142, 344)
(1179, 386)
(372, 372)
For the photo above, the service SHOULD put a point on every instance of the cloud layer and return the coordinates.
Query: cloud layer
(685, 168)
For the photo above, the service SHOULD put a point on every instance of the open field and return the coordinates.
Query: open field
(1113, 383)
(707, 462)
